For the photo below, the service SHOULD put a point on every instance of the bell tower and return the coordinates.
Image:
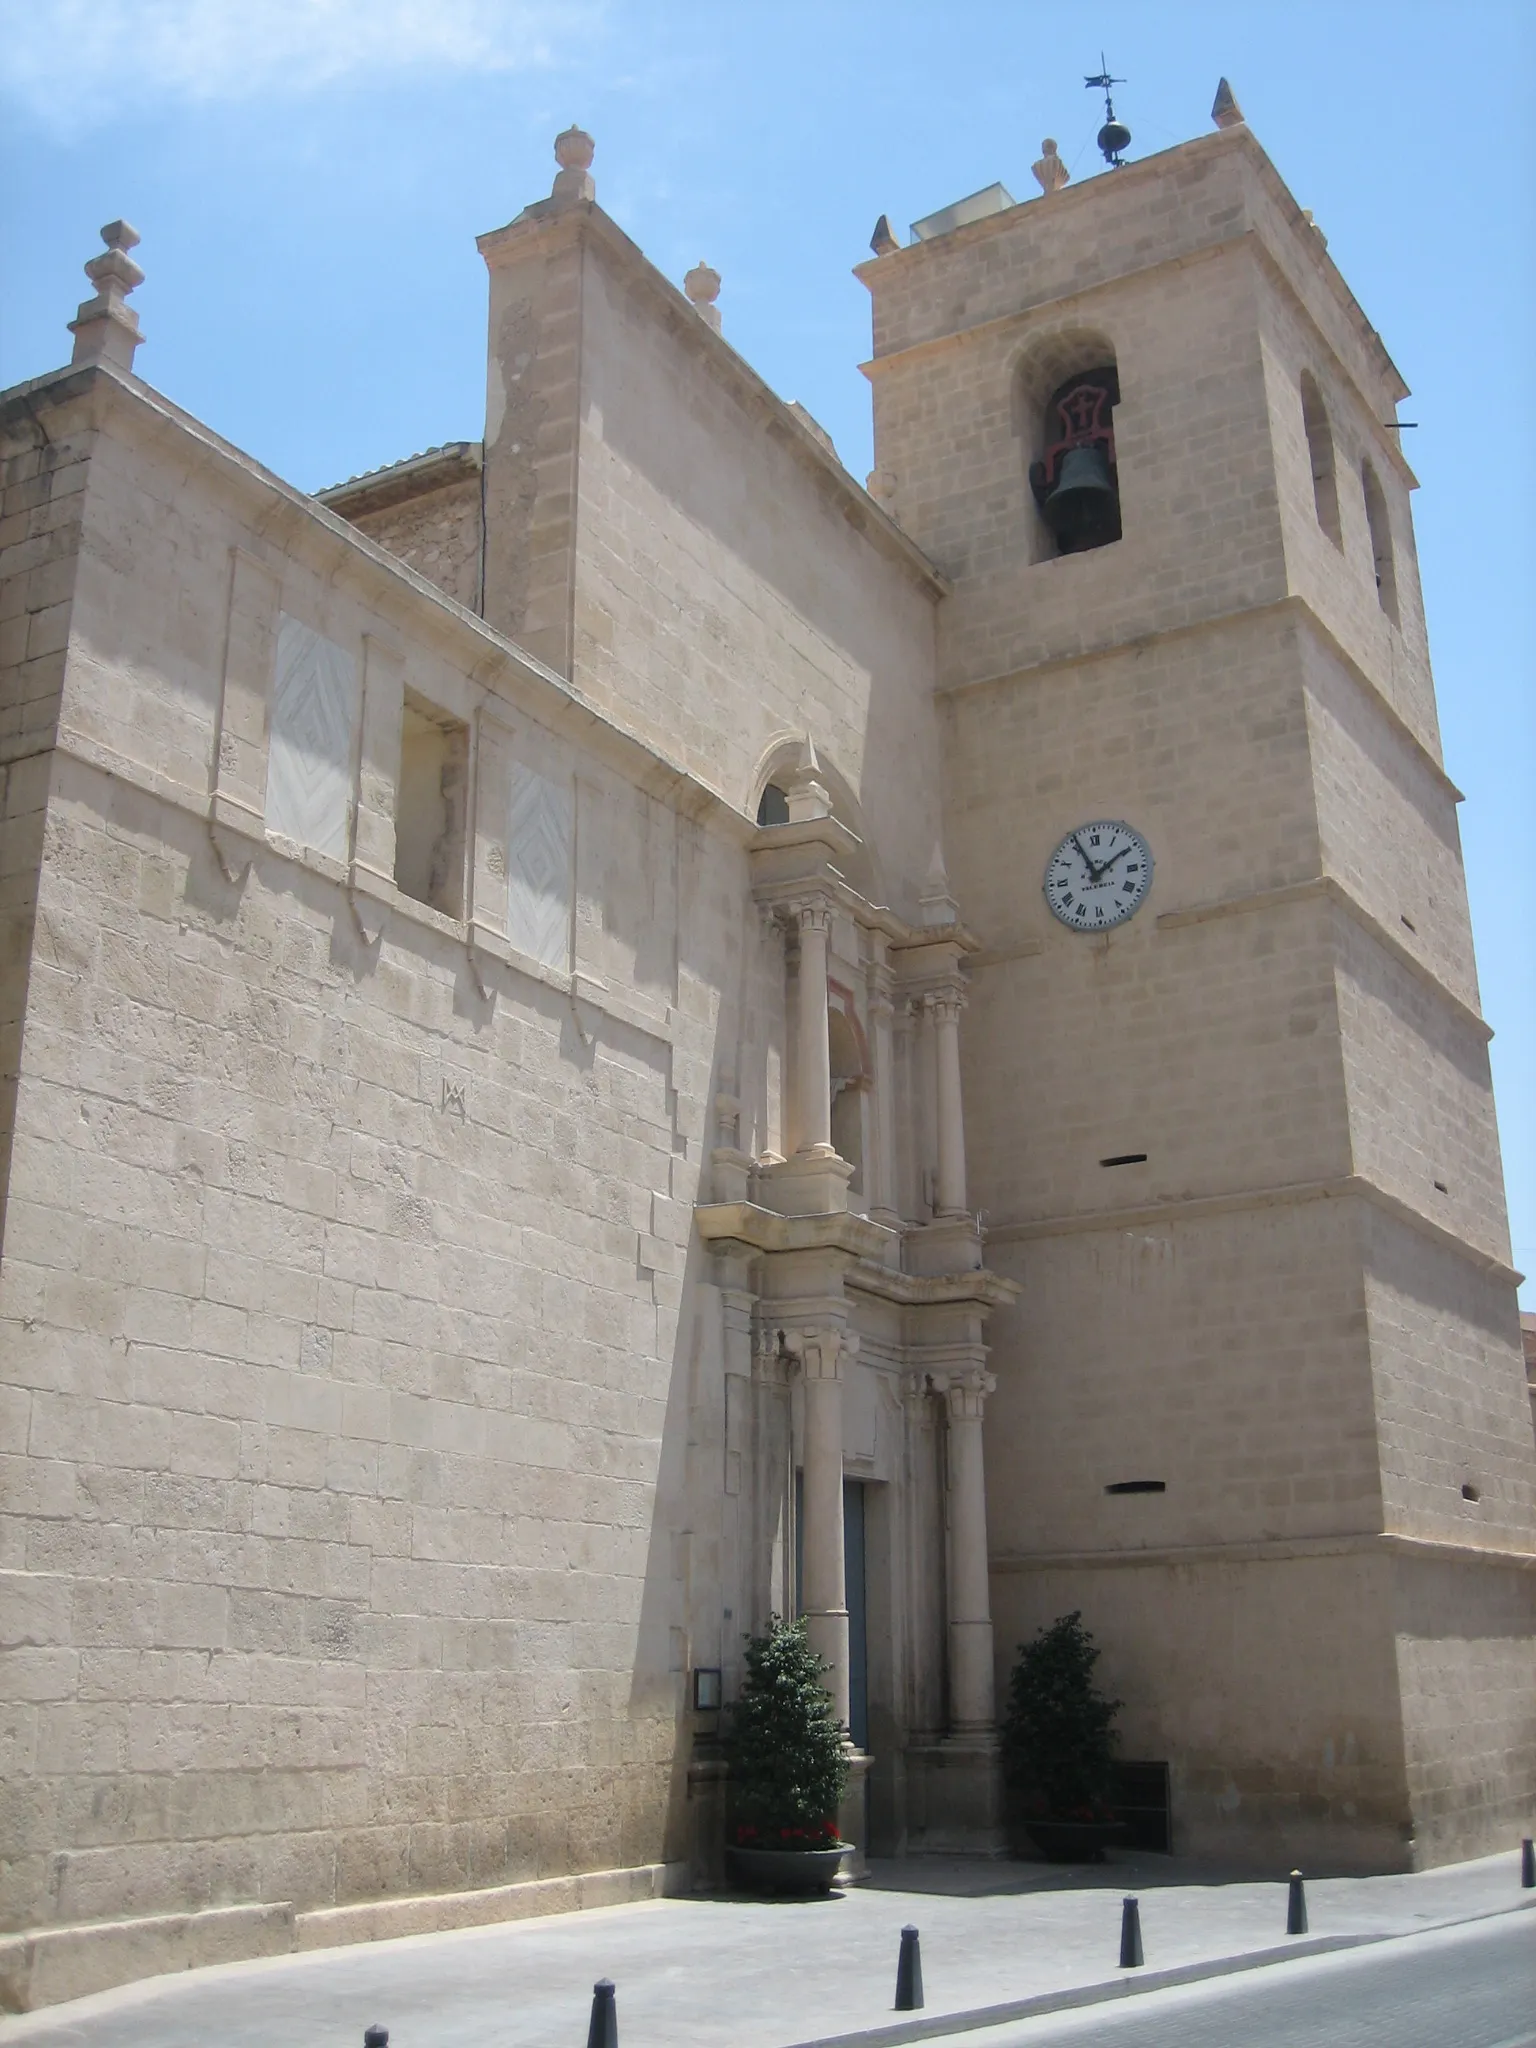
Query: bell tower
(1261, 1413)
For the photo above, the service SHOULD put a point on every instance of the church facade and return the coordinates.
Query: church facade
(607, 1034)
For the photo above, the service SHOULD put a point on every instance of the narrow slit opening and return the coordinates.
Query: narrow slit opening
(1471, 1493)
(1411, 925)
(1137, 1486)
(1444, 1190)
(1125, 1159)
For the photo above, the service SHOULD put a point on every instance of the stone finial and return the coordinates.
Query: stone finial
(574, 151)
(882, 241)
(1225, 111)
(807, 795)
(105, 329)
(936, 903)
(881, 486)
(703, 288)
(1050, 172)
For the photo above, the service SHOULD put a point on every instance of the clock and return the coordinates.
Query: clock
(1098, 876)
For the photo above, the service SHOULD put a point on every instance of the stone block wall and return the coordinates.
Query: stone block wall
(438, 533)
(42, 495)
(345, 1302)
(717, 573)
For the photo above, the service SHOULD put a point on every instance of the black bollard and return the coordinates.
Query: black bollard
(603, 2032)
(1131, 1957)
(1296, 1906)
(1528, 1864)
(375, 2037)
(909, 1973)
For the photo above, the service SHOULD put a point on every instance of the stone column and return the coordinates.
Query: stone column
(825, 1589)
(813, 1082)
(971, 1703)
(882, 1188)
(946, 1007)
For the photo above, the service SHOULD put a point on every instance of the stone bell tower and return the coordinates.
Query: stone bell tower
(1261, 1413)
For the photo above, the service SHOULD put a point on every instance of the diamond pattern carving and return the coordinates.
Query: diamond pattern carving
(309, 758)
(539, 835)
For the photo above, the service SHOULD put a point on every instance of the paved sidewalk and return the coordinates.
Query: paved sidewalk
(734, 1973)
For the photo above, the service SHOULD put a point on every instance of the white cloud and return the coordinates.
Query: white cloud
(67, 58)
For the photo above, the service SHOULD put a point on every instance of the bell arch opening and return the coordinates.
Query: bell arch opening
(1066, 392)
(1381, 540)
(1325, 488)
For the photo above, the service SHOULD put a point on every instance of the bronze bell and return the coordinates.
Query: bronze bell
(1083, 510)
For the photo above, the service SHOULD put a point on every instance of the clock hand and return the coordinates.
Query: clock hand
(1114, 857)
(1093, 871)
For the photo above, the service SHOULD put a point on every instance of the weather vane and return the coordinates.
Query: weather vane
(1114, 136)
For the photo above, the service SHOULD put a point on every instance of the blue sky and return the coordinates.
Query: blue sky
(309, 176)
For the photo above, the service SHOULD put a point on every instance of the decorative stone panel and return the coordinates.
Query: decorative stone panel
(540, 838)
(314, 715)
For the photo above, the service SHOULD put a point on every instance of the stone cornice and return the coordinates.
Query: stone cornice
(765, 1230)
(1270, 1549)
(1290, 601)
(1184, 1208)
(925, 1290)
(1333, 889)
(585, 220)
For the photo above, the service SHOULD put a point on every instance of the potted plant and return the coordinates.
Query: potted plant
(1058, 1745)
(789, 1767)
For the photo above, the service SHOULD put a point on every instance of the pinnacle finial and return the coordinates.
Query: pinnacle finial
(702, 285)
(1225, 111)
(574, 151)
(807, 793)
(935, 901)
(105, 328)
(1050, 172)
(882, 241)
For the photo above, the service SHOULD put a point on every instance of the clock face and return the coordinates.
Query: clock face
(1098, 876)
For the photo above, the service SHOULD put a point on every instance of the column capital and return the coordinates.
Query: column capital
(772, 1360)
(965, 1387)
(812, 913)
(946, 1002)
(820, 1353)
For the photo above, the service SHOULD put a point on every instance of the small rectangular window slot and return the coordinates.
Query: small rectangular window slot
(1411, 925)
(1440, 1184)
(1126, 1159)
(1138, 1486)
(1471, 1493)
(429, 806)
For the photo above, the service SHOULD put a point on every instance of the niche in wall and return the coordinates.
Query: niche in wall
(429, 806)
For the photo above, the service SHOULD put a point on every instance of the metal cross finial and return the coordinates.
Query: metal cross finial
(1114, 136)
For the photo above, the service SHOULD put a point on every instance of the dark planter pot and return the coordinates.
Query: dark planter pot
(1071, 1841)
(800, 1872)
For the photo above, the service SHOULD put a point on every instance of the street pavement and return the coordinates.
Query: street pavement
(1459, 1987)
(738, 1973)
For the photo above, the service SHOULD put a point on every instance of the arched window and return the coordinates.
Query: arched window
(1075, 481)
(772, 805)
(1325, 489)
(1381, 540)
